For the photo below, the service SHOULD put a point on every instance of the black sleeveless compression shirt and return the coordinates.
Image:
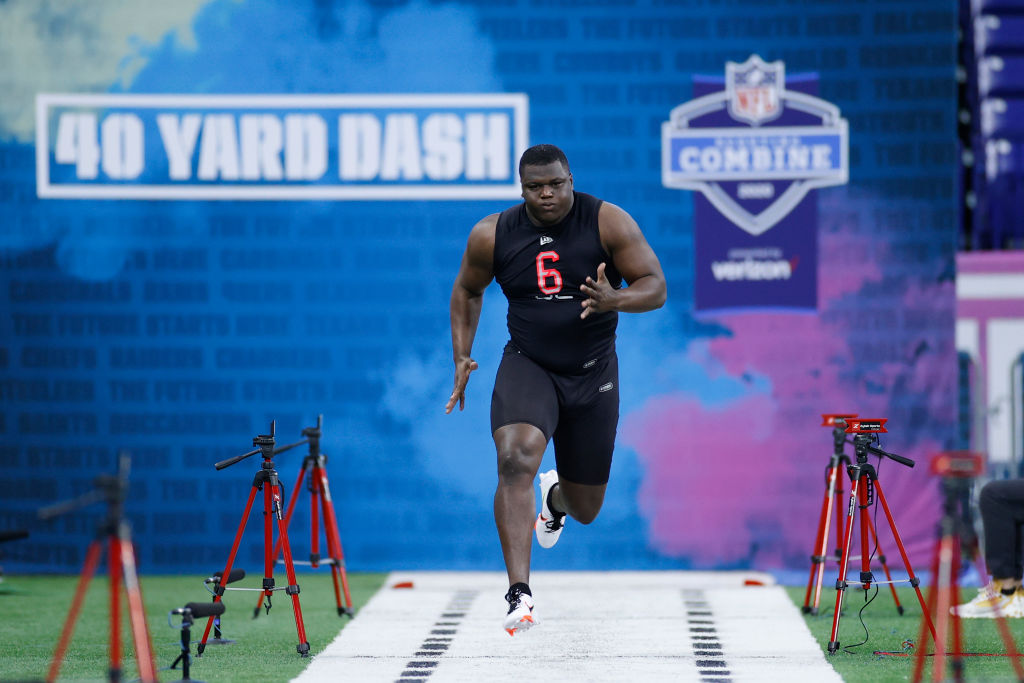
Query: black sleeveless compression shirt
(540, 270)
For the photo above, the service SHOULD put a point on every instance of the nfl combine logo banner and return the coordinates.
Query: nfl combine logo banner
(754, 146)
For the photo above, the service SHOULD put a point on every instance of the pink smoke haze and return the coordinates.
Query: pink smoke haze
(702, 473)
(742, 483)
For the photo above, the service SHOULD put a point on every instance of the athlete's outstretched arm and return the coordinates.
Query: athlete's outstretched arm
(475, 273)
(634, 258)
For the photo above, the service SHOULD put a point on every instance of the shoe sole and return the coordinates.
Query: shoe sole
(523, 624)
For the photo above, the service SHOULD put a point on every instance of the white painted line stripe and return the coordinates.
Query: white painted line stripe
(592, 626)
(990, 286)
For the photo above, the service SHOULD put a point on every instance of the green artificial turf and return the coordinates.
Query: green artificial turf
(887, 631)
(34, 610)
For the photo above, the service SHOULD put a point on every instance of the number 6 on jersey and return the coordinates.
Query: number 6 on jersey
(544, 273)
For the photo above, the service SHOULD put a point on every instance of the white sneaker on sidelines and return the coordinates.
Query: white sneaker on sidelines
(990, 603)
(548, 525)
(520, 615)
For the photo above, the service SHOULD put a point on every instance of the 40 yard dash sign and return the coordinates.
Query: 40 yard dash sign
(280, 147)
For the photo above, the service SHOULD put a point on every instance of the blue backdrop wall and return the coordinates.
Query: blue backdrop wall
(178, 327)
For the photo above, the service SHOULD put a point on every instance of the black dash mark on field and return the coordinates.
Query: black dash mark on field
(707, 648)
(425, 659)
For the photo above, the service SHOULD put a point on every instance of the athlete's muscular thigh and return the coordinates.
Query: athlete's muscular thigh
(523, 393)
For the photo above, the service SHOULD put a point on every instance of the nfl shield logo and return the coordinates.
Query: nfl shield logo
(754, 148)
(754, 89)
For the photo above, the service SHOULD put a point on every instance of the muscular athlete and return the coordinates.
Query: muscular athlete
(560, 257)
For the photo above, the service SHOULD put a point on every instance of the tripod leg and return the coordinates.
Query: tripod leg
(866, 577)
(844, 562)
(314, 523)
(839, 498)
(314, 544)
(954, 597)
(271, 500)
(1011, 648)
(92, 558)
(287, 521)
(186, 641)
(293, 584)
(333, 542)
(885, 567)
(291, 505)
(920, 654)
(820, 543)
(114, 569)
(217, 635)
(136, 609)
(914, 581)
(219, 590)
(942, 605)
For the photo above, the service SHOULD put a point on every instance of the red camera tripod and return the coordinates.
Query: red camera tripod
(864, 478)
(834, 496)
(314, 464)
(266, 480)
(120, 564)
(957, 470)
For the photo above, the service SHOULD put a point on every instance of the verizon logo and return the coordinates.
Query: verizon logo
(753, 269)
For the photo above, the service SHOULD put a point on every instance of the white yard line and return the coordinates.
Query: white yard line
(593, 626)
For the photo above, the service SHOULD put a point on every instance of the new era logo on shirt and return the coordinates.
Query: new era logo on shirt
(545, 240)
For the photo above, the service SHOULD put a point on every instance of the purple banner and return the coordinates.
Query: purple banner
(755, 147)
(737, 270)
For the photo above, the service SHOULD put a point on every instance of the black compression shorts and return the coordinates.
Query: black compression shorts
(580, 412)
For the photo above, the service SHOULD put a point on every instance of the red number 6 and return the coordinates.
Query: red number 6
(544, 273)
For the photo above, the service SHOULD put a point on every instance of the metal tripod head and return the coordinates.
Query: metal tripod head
(865, 435)
(861, 444)
(108, 488)
(839, 438)
(837, 421)
(264, 444)
(313, 435)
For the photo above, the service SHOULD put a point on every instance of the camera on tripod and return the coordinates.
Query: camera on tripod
(865, 490)
(858, 425)
(865, 434)
(958, 464)
(836, 419)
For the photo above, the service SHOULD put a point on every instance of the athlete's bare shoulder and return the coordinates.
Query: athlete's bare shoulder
(617, 227)
(613, 214)
(481, 237)
(477, 262)
(486, 225)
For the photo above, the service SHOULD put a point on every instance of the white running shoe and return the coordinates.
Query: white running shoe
(520, 612)
(548, 525)
(990, 603)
